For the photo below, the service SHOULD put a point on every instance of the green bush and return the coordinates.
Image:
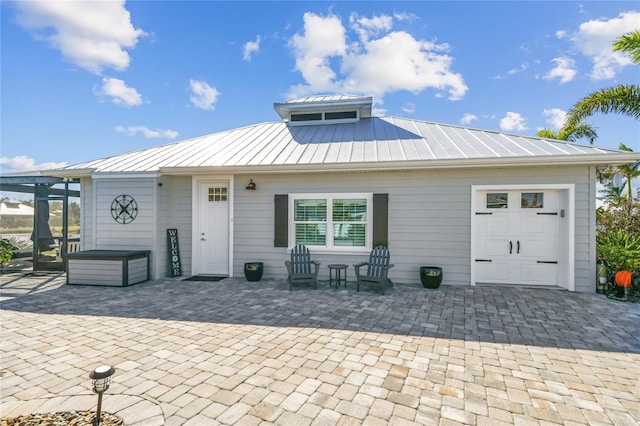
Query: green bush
(618, 247)
(6, 252)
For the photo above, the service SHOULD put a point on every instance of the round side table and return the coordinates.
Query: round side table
(338, 274)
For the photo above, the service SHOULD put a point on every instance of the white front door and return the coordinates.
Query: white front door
(211, 230)
(517, 237)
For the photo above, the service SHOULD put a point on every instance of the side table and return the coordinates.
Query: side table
(337, 275)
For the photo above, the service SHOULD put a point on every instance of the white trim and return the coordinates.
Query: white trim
(123, 175)
(330, 196)
(95, 214)
(479, 163)
(155, 272)
(566, 274)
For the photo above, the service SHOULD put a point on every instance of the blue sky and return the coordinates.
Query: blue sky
(86, 80)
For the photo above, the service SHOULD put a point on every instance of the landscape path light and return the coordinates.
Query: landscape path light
(101, 377)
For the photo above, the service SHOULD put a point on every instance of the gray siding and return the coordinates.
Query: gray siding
(429, 217)
(174, 212)
(137, 235)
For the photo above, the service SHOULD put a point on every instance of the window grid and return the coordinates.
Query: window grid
(217, 194)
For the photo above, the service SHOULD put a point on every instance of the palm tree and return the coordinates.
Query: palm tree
(621, 99)
(579, 131)
(628, 171)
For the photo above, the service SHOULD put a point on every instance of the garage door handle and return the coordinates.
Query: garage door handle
(518, 249)
(483, 260)
(547, 261)
(510, 247)
(549, 214)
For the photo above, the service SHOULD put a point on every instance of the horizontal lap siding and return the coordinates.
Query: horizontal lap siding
(429, 217)
(136, 235)
(174, 212)
(95, 272)
(137, 271)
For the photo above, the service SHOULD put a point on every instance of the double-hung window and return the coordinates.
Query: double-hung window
(331, 221)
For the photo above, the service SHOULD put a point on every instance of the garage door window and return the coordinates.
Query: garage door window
(497, 200)
(532, 200)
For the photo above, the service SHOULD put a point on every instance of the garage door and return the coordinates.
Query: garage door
(517, 237)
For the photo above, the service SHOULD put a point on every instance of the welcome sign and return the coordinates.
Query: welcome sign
(175, 268)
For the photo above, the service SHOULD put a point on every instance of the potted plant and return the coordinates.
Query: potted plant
(430, 276)
(253, 271)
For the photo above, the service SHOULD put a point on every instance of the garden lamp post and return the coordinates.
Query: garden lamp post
(101, 377)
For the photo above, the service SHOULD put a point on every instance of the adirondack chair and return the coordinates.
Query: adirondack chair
(301, 269)
(377, 268)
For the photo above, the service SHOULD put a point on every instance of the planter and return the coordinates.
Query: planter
(253, 271)
(430, 276)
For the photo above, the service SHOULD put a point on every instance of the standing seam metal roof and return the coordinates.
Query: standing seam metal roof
(370, 140)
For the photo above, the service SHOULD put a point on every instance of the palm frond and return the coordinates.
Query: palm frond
(622, 99)
(629, 45)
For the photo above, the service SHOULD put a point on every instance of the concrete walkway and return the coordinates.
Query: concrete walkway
(237, 352)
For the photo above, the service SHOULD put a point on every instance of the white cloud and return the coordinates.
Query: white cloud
(250, 48)
(468, 118)
(409, 108)
(119, 92)
(560, 34)
(513, 121)
(565, 70)
(91, 34)
(368, 27)
(148, 133)
(514, 71)
(394, 61)
(595, 39)
(323, 38)
(555, 117)
(22, 163)
(203, 96)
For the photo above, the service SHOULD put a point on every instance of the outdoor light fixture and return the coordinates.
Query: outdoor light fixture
(101, 377)
(251, 186)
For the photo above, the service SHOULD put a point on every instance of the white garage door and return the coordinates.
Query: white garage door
(517, 237)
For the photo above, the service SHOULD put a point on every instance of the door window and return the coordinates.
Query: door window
(217, 194)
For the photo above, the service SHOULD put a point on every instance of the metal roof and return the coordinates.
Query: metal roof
(376, 143)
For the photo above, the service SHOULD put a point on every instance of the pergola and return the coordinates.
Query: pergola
(43, 190)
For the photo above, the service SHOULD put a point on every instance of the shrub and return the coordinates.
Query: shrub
(6, 252)
(618, 246)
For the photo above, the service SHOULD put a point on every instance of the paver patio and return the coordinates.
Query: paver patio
(238, 352)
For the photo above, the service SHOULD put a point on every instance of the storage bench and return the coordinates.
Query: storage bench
(107, 267)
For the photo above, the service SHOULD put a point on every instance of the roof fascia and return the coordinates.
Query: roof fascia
(125, 175)
(574, 160)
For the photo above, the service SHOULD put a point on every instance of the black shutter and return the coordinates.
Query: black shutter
(281, 226)
(381, 220)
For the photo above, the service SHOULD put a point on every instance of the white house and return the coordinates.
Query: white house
(487, 207)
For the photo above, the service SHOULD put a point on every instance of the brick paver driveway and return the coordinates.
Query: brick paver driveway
(237, 352)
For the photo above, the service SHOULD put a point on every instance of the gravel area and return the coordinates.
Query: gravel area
(64, 418)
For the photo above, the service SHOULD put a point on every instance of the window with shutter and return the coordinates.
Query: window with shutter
(332, 221)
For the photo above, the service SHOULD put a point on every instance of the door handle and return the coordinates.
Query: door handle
(518, 249)
(510, 247)
(202, 238)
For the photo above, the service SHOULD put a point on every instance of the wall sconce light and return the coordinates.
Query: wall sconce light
(101, 377)
(251, 186)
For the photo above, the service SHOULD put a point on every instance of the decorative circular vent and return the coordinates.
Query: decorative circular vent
(124, 209)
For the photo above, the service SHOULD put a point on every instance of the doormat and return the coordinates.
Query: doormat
(204, 278)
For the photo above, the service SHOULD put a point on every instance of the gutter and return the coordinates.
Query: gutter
(600, 160)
